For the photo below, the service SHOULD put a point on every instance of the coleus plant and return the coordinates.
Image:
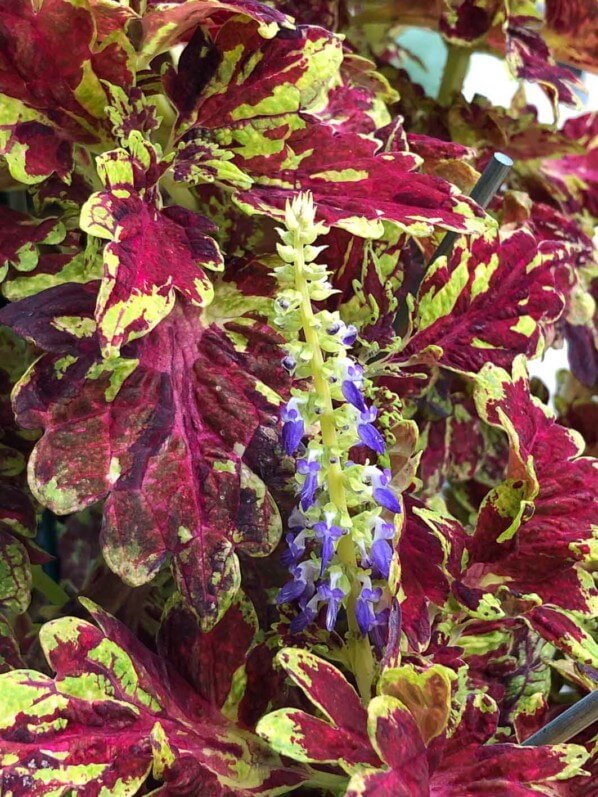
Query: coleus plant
(332, 536)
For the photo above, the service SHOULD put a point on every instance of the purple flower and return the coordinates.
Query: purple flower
(379, 629)
(293, 426)
(354, 373)
(351, 386)
(305, 617)
(364, 609)
(296, 521)
(291, 591)
(333, 596)
(381, 552)
(368, 434)
(300, 622)
(304, 576)
(353, 395)
(349, 335)
(381, 493)
(295, 549)
(328, 535)
(308, 468)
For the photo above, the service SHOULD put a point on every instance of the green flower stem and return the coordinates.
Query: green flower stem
(48, 588)
(455, 70)
(359, 651)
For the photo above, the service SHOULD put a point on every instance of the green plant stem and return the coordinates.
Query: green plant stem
(49, 588)
(182, 194)
(455, 70)
(359, 651)
(327, 781)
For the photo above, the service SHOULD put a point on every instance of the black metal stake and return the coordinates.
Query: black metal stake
(568, 724)
(490, 181)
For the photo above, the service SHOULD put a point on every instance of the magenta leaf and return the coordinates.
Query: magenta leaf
(534, 531)
(416, 745)
(429, 552)
(47, 110)
(169, 23)
(20, 235)
(110, 692)
(160, 434)
(370, 187)
(530, 59)
(491, 302)
(572, 32)
(18, 521)
(152, 252)
(295, 733)
(286, 138)
(397, 740)
(211, 661)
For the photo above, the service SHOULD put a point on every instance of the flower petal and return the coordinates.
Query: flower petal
(292, 432)
(386, 498)
(372, 438)
(353, 395)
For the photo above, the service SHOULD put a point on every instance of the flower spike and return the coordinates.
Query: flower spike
(338, 521)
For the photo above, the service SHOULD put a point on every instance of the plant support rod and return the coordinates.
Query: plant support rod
(486, 187)
(568, 724)
(490, 181)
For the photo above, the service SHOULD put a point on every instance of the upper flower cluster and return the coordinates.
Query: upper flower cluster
(338, 539)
